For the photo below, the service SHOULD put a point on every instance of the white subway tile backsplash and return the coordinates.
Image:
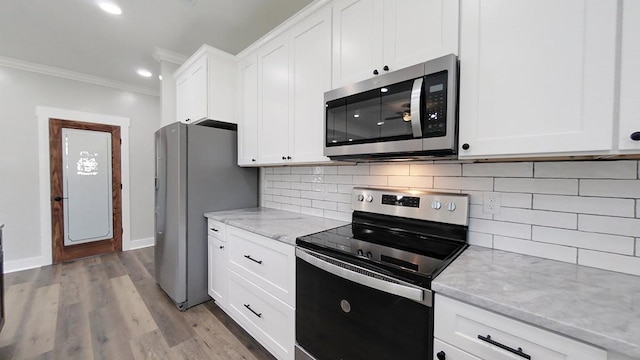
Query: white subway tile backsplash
(542, 202)
(301, 186)
(516, 200)
(476, 211)
(291, 208)
(609, 225)
(327, 205)
(585, 205)
(291, 193)
(613, 262)
(302, 170)
(338, 179)
(424, 182)
(522, 231)
(461, 183)
(517, 169)
(436, 170)
(538, 186)
(353, 170)
(389, 169)
(585, 240)
(282, 170)
(480, 239)
(335, 215)
(548, 251)
(282, 184)
(538, 217)
(301, 202)
(314, 195)
(311, 211)
(370, 180)
(587, 169)
(610, 188)
(282, 199)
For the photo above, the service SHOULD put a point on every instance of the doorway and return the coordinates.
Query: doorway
(86, 190)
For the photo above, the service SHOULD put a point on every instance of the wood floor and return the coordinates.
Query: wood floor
(109, 307)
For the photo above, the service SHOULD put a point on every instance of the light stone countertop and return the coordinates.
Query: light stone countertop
(596, 306)
(279, 225)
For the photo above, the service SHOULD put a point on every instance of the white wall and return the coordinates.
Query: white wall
(584, 212)
(168, 92)
(20, 93)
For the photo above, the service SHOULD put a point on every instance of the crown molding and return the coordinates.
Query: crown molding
(160, 54)
(72, 75)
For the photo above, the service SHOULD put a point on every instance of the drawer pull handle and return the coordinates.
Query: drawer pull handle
(213, 229)
(518, 352)
(253, 311)
(252, 259)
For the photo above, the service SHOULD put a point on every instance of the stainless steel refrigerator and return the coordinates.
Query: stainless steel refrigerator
(196, 171)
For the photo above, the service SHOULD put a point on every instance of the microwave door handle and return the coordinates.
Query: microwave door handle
(416, 93)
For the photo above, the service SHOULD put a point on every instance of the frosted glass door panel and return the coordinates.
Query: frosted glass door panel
(87, 186)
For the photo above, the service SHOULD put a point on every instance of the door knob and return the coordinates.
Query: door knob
(375, 72)
(465, 146)
(635, 136)
(441, 355)
(385, 68)
(57, 198)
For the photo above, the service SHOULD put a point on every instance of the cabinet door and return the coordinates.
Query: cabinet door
(182, 98)
(217, 271)
(357, 40)
(273, 105)
(310, 78)
(630, 76)
(198, 83)
(248, 124)
(536, 77)
(418, 30)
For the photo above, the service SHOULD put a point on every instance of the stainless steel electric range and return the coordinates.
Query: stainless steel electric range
(363, 289)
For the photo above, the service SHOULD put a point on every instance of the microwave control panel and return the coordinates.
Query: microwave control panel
(435, 111)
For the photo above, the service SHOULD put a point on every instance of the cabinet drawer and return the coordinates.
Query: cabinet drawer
(267, 319)
(268, 263)
(461, 324)
(216, 229)
(450, 352)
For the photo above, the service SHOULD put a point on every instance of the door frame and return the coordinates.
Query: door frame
(44, 114)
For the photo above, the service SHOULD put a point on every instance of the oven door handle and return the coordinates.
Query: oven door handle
(416, 92)
(364, 277)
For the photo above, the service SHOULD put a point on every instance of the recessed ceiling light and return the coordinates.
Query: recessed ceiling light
(144, 73)
(110, 7)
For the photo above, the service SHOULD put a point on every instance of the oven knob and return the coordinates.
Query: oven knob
(369, 255)
(360, 197)
(451, 206)
(436, 205)
(369, 198)
(441, 355)
(360, 252)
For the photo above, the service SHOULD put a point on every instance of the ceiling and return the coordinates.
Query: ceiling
(76, 35)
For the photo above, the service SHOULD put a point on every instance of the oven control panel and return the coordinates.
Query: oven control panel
(444, 207)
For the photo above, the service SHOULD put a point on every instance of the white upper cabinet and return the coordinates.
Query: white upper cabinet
(537, 77)
(206, 87)
(248, 110)
(273, 101)
(630, 77)
(376, 36)
(310, 77)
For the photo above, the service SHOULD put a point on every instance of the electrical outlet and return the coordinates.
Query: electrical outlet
(491, 203)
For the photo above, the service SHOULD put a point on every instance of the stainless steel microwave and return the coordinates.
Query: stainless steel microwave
(408, 113)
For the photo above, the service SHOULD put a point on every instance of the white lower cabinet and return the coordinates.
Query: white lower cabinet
(217, 271)
(252, 278)
(464, 331)
(266, 318)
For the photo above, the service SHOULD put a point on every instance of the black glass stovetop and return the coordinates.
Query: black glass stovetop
(411, 250)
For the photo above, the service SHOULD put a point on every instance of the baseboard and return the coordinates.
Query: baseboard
(24, 264)
(139, 243)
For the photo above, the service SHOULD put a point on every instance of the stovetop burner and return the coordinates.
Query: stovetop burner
(407, 235)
